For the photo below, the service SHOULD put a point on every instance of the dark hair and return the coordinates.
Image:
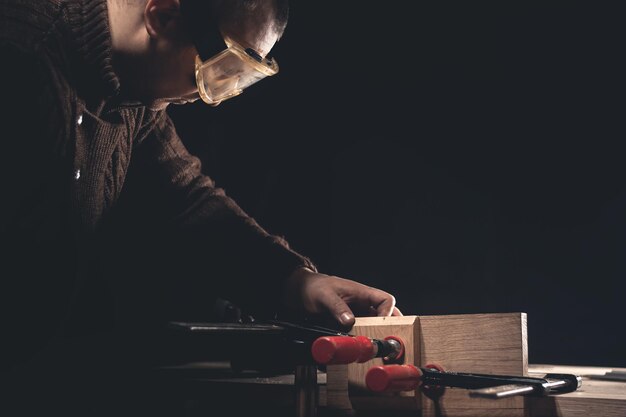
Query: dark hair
(205, 17)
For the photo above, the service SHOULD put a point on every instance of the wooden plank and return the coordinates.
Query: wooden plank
(480, 343)
(403, 327)
(346, 383)
(337, 388)
(593, 398)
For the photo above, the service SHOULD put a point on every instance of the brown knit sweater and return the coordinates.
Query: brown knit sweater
(91, 183)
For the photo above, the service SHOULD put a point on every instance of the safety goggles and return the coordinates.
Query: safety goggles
(228, 73)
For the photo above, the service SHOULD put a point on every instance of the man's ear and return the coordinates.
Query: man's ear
(162, 18)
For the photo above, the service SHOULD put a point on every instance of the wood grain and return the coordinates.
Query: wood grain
(593, 398)
(481, 343)
(403, 327)
(346, 383)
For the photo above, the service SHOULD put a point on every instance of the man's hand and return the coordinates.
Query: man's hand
(342, 298)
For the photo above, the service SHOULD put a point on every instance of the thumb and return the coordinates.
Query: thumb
(338, 308)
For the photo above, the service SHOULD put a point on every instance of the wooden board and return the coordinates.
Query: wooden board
(480, 343)
(346, 383)
(593, 398)
(405, 328)
(483, 343)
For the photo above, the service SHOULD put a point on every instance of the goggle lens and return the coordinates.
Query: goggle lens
(228, 73)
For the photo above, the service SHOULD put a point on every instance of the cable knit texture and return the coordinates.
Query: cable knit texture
(94, 186)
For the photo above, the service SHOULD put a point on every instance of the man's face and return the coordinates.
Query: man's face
(175, 81)
(175, 78)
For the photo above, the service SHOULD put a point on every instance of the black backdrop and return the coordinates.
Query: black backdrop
(466, 157)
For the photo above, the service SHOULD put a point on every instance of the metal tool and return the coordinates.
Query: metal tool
(409, 377)
(268, 346)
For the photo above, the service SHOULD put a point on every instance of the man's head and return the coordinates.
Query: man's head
(156, 42)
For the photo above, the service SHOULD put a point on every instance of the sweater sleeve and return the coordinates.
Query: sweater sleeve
(214, 249)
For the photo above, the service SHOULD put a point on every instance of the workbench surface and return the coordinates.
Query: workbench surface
(210, 385)
(596, 397)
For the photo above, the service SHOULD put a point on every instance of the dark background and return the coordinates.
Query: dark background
(466, 157)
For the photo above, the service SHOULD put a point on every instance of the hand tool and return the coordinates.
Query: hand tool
(387, 378)
(269, 347)
(334, 350)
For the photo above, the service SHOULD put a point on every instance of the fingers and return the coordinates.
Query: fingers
(342, 298)
(369, 300)
(338, 309)
(395, 312)
(383, 302)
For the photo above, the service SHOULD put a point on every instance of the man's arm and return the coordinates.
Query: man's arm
(213, 248)
(222, 251)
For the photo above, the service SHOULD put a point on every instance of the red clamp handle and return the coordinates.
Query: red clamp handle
(434, 391)
(393, 378)
(341, 350)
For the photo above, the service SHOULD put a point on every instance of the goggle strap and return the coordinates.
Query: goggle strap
(254, 54)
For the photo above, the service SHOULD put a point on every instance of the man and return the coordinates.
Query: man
(106, 218)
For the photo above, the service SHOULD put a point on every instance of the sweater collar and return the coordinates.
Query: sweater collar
(89, 27)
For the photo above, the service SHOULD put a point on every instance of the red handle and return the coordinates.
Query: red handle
(393, 378)
(341, 350)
